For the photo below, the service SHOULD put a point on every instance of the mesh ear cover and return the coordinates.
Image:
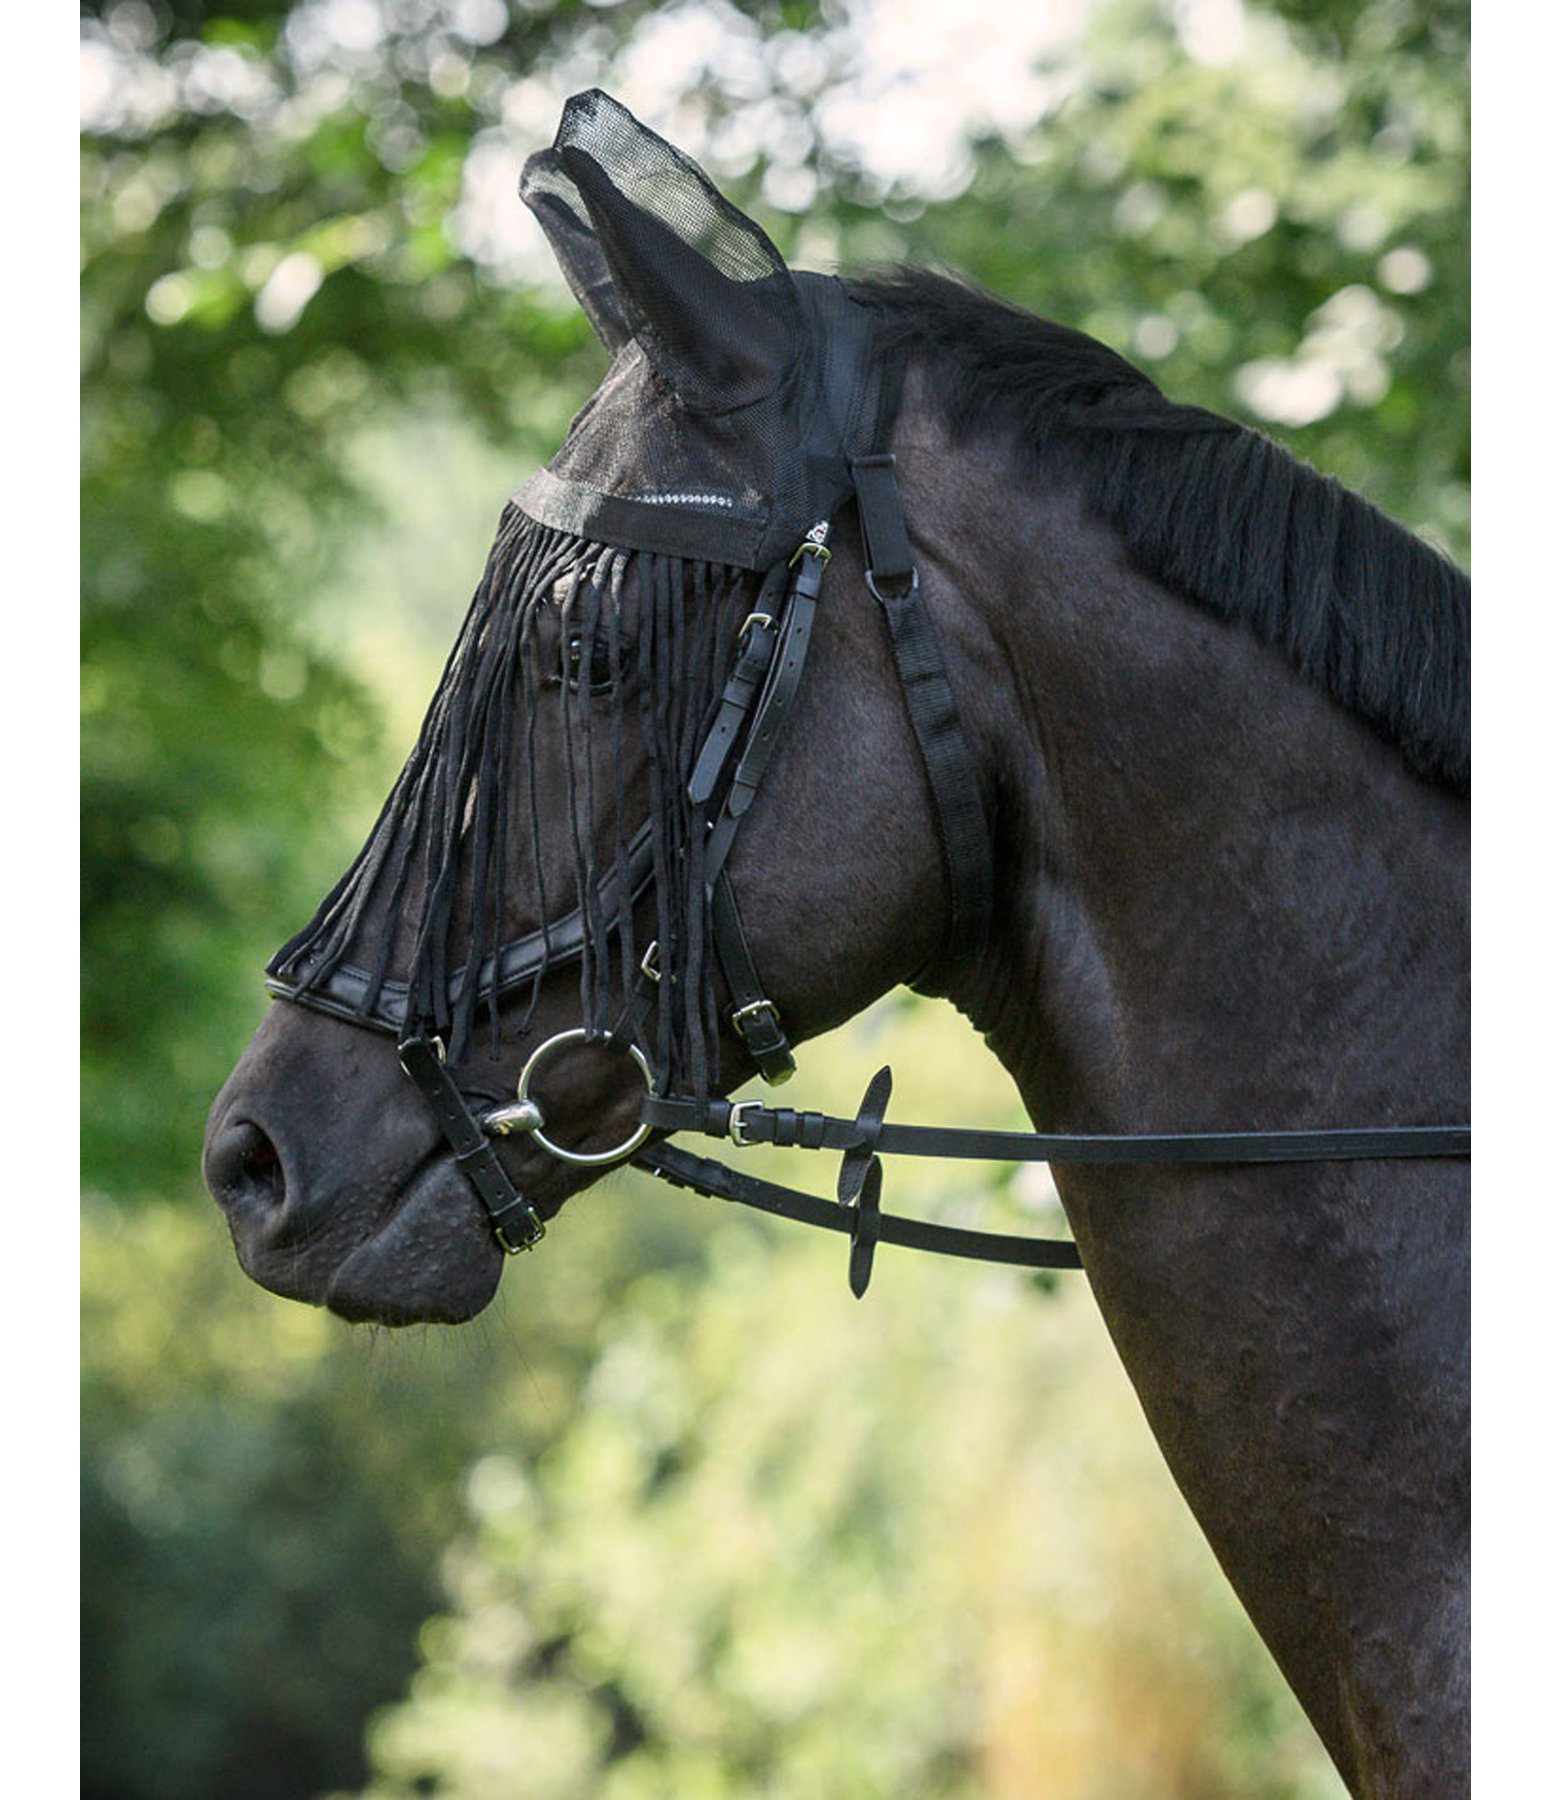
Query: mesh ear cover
(559, 209)
(703, 290)
(716, 431)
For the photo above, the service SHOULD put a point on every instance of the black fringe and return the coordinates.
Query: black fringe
(437, 888)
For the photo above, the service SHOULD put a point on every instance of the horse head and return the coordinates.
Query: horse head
(568, 892)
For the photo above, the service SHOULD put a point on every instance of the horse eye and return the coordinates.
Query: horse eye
(573, 661)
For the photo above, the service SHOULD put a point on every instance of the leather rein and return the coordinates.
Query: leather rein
(755, 704)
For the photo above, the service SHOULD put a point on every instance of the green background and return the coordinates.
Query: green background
(676, 1517)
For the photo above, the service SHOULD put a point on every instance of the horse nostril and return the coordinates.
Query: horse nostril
(243, 1168)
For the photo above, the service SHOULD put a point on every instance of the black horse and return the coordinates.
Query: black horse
(1205, 867)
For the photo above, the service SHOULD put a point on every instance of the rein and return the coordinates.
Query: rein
(754, 706)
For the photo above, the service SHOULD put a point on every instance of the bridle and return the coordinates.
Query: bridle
(755, 705)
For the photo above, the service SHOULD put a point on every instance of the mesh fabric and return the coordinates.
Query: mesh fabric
(719, 431)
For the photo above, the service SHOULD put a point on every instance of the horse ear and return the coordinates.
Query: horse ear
(560, 210)
(668, 259)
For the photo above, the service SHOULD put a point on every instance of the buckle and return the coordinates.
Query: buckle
(753, 1006)
(532, 1230)
(737, 1131)
(432, 1043)
(903, 594)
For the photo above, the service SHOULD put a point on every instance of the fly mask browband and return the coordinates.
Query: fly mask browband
(810, 416)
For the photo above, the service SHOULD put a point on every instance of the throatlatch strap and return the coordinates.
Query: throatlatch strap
(944, 746)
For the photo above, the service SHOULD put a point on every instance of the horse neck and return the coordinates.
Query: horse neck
(1213, 881)
(1224, 903)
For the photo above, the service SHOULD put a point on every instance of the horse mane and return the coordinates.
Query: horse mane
(1213, 510)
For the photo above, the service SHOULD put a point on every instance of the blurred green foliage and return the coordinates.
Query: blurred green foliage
(880, 1556)
(713, 1529)
(1283, 238)
(266, 1496)
(678, 1516)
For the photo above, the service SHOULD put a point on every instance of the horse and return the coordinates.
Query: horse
(869, 632)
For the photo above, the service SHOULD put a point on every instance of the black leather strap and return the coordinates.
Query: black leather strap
(744, 686)
(753, 1014)
(774, 708)
(517, 1224)
(714, 1180)
(754, 1017)
(748, 1122)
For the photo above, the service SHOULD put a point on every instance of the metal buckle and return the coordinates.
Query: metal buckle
(533, 1229)
(752, 1007)
(736, 1130)
(755, 618)
(814, 544)
(903, 593)
(648, 963)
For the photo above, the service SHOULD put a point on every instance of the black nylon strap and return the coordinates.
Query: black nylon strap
(517, 1224)
(944, 746)
(884, 536)
(756, 1124)
(714, 1180)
